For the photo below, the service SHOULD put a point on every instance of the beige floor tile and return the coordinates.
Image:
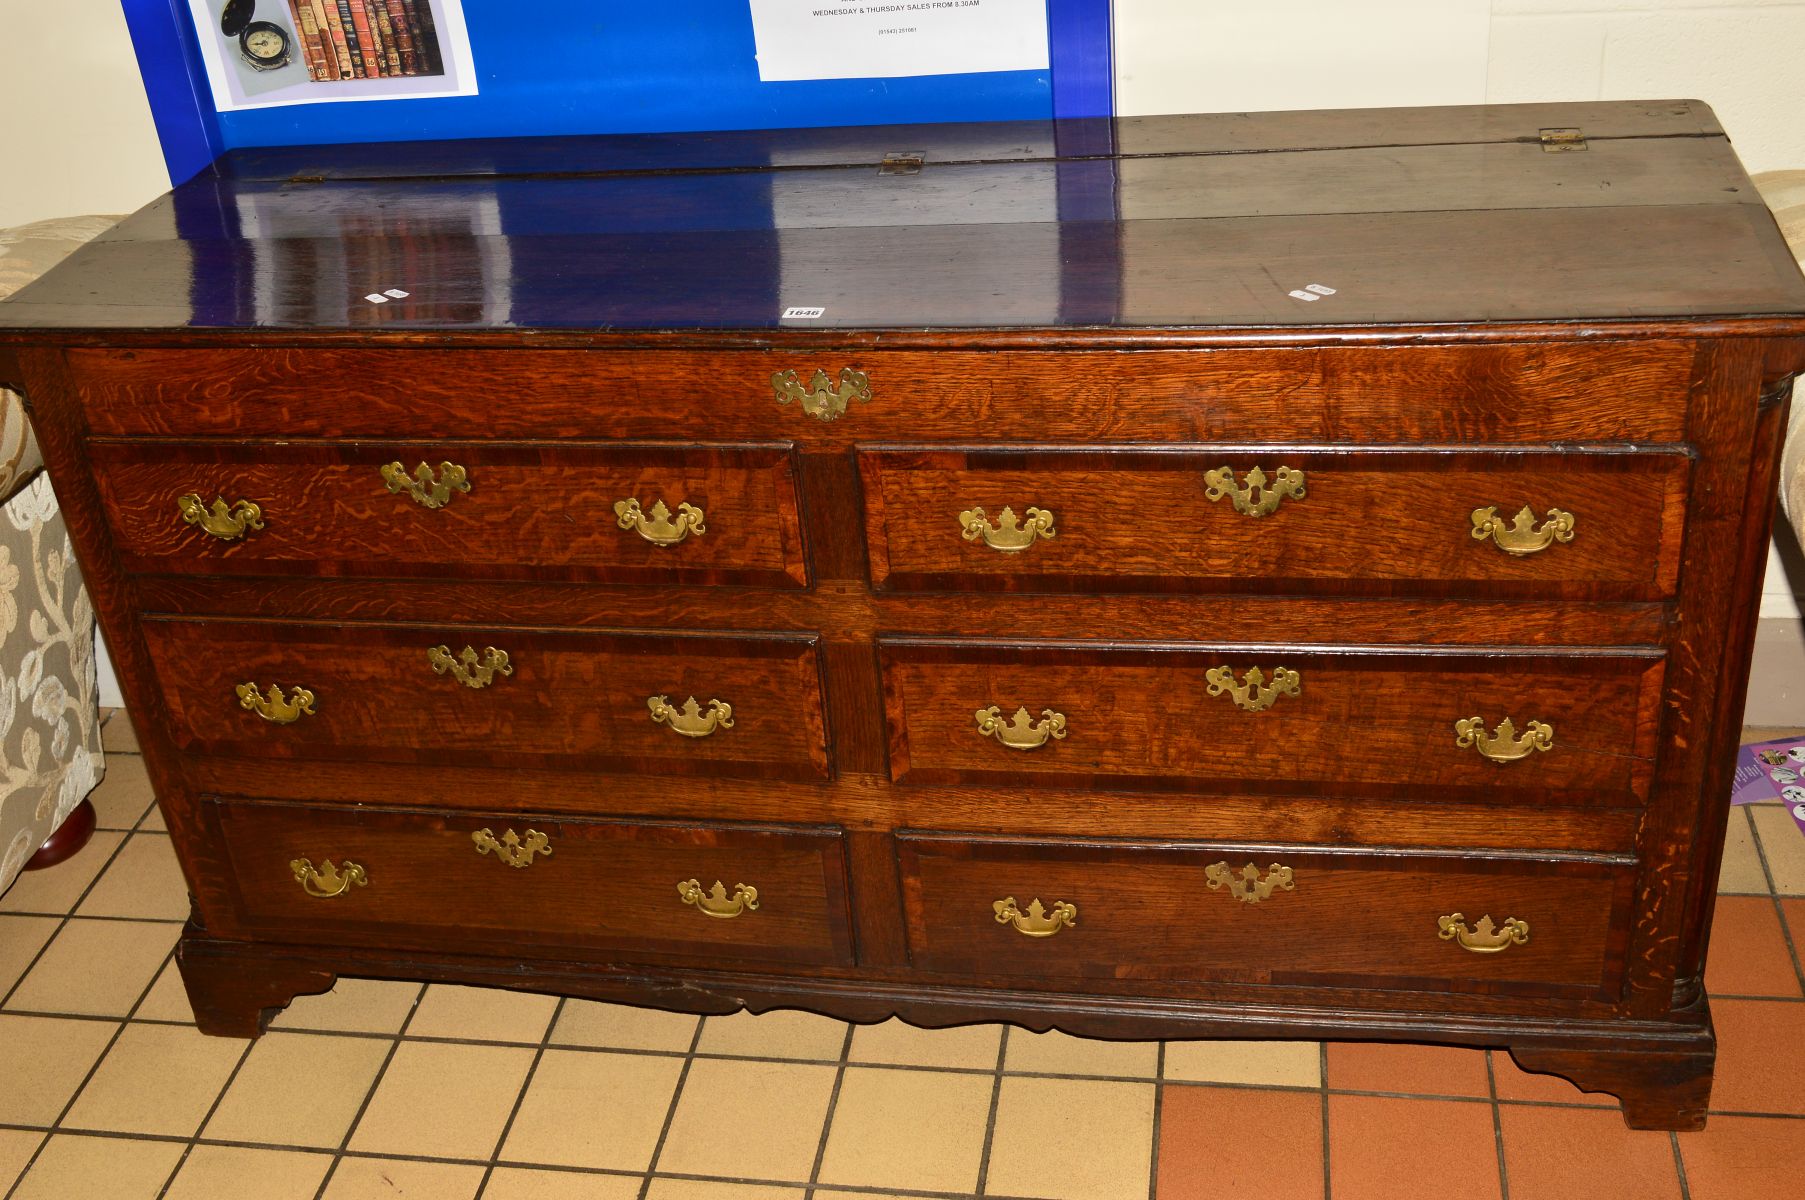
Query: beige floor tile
(482, 1014)
(96, 968)
(124, 795)
(353, 1006)
(1030, 1154)
(1056, 1053)
(1284, 1064)
(589, 1108)
(156, 1079)
(781, 1034)
(899, 1043)
(832, 1195)
(443, 1101)
(239, 1173)
(21, 937)
(92, 1168)
(1784, 844)
(922, 1130)
(399, 1179)
(55, 890)
(39, 1084)
(520, 1183)
(154, 822)
(748, 1120)
(143, 881)
(298, 1089)
(167, 999)
(16, 1148)
(708, 1189)
(117, 736)
(1741, 871)
(621, 1026)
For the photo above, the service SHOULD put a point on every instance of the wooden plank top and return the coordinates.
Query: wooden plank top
(1420, 217)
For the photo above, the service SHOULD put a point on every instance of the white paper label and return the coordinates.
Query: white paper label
(396, 293)
(1300, 294)
(377, 298)
(803, 314)
(880, 39)
(1320, 289)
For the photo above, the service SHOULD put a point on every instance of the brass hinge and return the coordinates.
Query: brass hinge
(901, 162)
(1558, 141)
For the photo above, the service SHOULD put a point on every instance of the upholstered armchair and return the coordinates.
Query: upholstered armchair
(1784, 192)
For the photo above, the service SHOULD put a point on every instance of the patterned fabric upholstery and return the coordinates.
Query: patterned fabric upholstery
(1784, 192)
(50, 757)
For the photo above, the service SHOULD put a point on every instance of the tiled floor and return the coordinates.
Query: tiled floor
(387, 1090)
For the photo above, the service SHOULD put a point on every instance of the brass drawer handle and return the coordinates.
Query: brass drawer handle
(1009, 535)
(1247, 886)
(1036, 922)
(659, 529)
(274, 706)
(820, 398)
(511, 848)
(1522, 536)
(1504, 745)
(1021, 732)
(1253, 693)
(327, 880)
(426, 490)
(1258, 498)
(227, 522)
(716, 902)
(468, 668)
(1484, 937)
(690, 720)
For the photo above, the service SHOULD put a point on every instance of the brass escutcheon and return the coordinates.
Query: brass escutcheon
(659, 529)
(1247, 886)
(690, 720)
(1253, 693)
(1484, 937)
(1522, 536)
(227, 522)
(1036, 922)
(511, 848)
(426, 490)
(716, 902)
(1009, 535)
(1021, 732)
(273, 705)
(1259, 498)
(1504, 745)
(327, 880)
(820, 398)
(468, 668)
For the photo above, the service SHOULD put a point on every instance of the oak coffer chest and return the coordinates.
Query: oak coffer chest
(1286, 575)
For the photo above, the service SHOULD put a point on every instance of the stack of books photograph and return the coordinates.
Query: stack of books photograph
(367, 39)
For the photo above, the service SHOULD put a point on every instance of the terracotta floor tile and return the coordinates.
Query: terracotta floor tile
(239, 1173)
(1056, 1053)
(298, 1089)
(124, 795)
(443, 1101)
(1384, 1148)
(156, 1079)
(117, 736)
(589, 1108)
(781, 1034)
(1748, 955)
(353, 1006)
(1226, 1141)
(520, 1183)
(16, 1148)
(400, 1179)
(95, 1168)
(748, 1120)
(142, 881)
(1407, 1067)
(21, 937)
(1514, 1083)
(1741, 871)
(708, 1189)
(482, 1014)
(1033, 1152)
(1283, 1064)
(1759, 1064)
(96, 968)
(167, 999)
(1792, 912)
(1560, 1153)
(55, 890)
(1743, 1158)
(624, 1027)
(935, 1148)
(1783, 842)
(898, 1043)
(39, 1084)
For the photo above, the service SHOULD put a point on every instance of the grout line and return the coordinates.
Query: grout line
(1491, 1085)
(833, 1103)
(1322, 1069)
(344, 1143)
(520, 1096)
(670, 1113)
(182, 1159)
(62, 919)
(1159, 1105)
(990, 1119)
(1774, 896)
(1679, 1166)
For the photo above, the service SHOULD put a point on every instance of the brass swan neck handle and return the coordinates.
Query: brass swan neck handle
(1484, 937)
(659, 528)
(690, 720)
(227, 522)
(1037, 922)
(1522, 536)
(1010, 535)
(1503, 745)
(1021, 732)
